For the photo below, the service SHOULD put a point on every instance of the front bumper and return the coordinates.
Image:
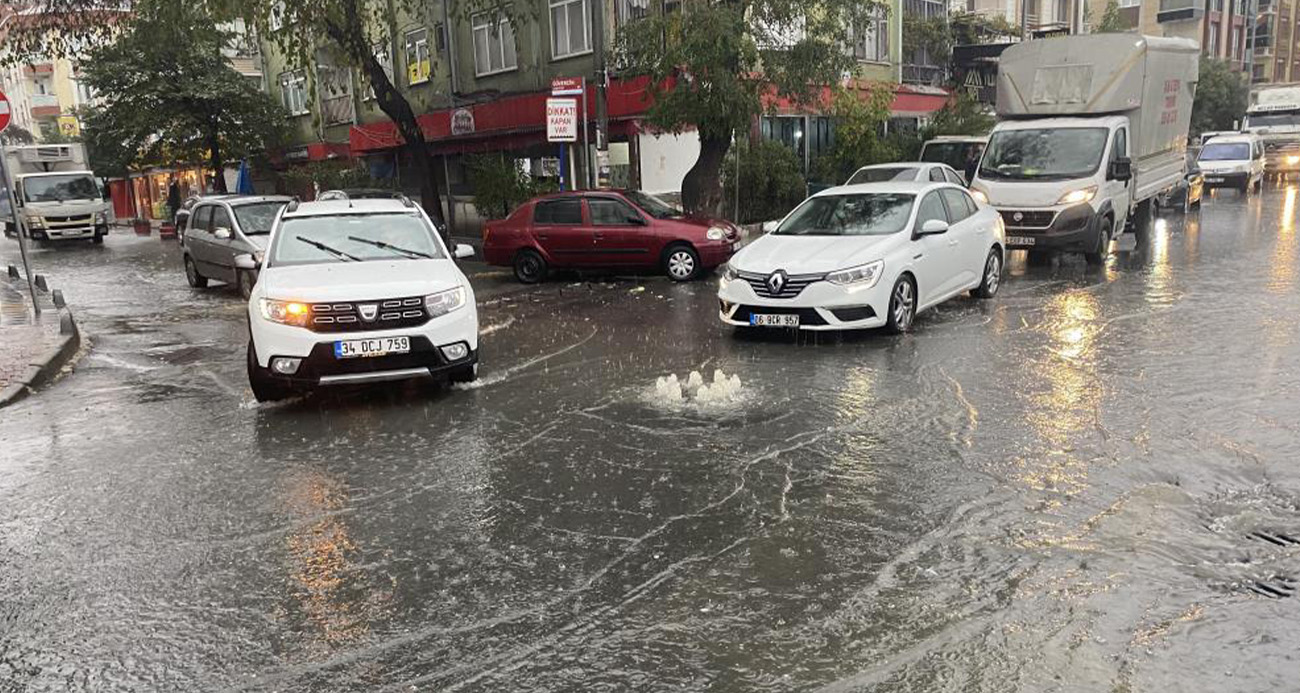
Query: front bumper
(60, 233)
(821, 306)
(1225, 180)
(1073, 228)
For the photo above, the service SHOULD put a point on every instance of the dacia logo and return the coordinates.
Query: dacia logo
(368, 311)
(776, 281)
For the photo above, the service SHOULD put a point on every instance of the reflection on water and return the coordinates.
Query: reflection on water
(1282, 270)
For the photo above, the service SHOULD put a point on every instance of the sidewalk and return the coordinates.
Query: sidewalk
(32, 349)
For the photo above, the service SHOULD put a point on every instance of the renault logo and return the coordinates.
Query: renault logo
(368, 311)
(776, 281)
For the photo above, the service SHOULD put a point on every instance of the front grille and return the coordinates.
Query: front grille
(389, 314)
(807, 316)
(1029, 218)
(84, 219)
(793, 286)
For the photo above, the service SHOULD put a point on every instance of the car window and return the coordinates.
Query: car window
(957, 202)
(936, 175)
(882, 174)
(608, 212)
(1120, 147)
(567, 211)
(931, 208)
(256, 218)
(221, 219)
(859, 214)
(202, 217)
(954, 178)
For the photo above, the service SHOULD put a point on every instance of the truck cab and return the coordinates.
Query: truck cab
(58, 198)
(1274, 116)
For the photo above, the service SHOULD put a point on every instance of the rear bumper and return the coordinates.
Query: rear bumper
(1225, 180)
(1073, 228)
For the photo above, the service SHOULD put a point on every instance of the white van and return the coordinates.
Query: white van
(1233, 161)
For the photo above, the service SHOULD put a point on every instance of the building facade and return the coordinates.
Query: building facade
(1276, 42)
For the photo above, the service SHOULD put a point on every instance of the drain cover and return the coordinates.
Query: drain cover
(1275, 538)
(1276, 587)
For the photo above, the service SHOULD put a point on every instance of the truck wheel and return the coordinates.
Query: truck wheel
(98, 239)
(1142, 221)
(1098, 255)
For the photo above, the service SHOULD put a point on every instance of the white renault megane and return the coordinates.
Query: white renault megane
(863, 256)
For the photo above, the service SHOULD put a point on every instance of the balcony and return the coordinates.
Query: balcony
(932, 75)
(1180, 10)
(336, 110)
(45, 105)
(925, 8)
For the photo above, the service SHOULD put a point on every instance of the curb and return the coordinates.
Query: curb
(42, 370)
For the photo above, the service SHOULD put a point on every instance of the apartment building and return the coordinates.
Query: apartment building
(46, 93)
(1276, 42)
(1036, 17)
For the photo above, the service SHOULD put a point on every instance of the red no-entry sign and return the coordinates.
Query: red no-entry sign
(5, 115)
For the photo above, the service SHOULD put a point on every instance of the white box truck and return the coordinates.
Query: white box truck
(1274, 115)
(1092, 129)
(58, 196)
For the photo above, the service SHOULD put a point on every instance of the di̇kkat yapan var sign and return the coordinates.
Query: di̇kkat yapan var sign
(562, 120)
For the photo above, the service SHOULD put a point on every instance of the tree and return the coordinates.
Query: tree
(16, 134)
(1221, 97)
(712, 63)
(170, 95)
(860, 116)
(771, 183)
(964, 115)
(1112, 22)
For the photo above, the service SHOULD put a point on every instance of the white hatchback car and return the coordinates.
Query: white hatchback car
(357, 291)
(865, 256)
(906, 171)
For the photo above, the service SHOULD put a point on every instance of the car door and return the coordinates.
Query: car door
(1119, 192)
(222, 238)
(561, 230)
(933, 256)
(623, 236)
(198, 236)
(1257, 160)
(966, 238)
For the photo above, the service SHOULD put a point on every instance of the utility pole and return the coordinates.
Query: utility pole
(602, 85)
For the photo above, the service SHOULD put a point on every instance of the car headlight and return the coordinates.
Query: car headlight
(1293, 160)
(286, 312)
(716, 233)
(444, 302)
(864, 275)
(728, 272)
(1075, 197)
(979, 196)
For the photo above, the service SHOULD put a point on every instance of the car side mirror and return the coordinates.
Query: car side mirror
(933, 227)
(222, 233)
(247, 262)
(1121, 169)
(770, 226)
(463, 251)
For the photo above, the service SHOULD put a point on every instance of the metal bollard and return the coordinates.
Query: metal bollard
(57, 296)
(40, 283)
(13, 273)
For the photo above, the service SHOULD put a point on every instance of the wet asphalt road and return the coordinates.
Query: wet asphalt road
(1087, 484)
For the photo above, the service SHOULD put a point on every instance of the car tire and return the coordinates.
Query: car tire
(992, 278)
(245, 280)
(265, 388)
(902, 306)
(1098, 255)
(465, 374)
(681, 263)
(530, 267)
(196, 280)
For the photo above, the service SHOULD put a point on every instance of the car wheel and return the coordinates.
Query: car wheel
(246, 282)
(192, 275)
(466, 374)
(681, 263)
(530, 267)
(992, 275)
(1098, 254)
(902, 306)
(265, 389)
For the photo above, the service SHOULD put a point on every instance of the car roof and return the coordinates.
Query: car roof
(1235, 138)
(958, 138)
(341, 207)
(911, 187)
(899, 164)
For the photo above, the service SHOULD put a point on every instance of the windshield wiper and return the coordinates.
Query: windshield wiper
(333, 251)
(394, 248)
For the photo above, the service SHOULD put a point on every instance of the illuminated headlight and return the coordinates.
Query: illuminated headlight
(36, 222)
(286, 312)
(728, 272)
(716, 233)
(445, 302)
(865, 276)
(1292, 160)
(979, 196)
(1075, 197)
(101, 218)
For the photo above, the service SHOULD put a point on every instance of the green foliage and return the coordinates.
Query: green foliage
(934, 35)
(860, 117)
(771, 182)
(500, 185)
(962, 116)
(16, 134)
(1112, 22)
(172, 97)
(329, 175)
(1221, 97)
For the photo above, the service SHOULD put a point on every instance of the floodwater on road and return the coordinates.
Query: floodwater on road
(1088, 483)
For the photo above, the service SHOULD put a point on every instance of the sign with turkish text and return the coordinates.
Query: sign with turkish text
(568, 86)
(562, 120)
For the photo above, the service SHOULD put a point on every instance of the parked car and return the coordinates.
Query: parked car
(182, 218)
(961, 153)
(1187, 196)
(360, 291)
(221, 228)
(866, 256)
(606, 229)
(1233, 161)
(360, 194)
(906, 171)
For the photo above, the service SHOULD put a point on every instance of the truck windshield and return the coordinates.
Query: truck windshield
(60, 188)
(1273, 120)
(1224, 151)
(1047, 154)
(958, 155)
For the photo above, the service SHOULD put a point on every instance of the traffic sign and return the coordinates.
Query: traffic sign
(568, 86)
(562, 120)
(5, 115)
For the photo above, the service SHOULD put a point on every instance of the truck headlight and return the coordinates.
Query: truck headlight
(286, 312)
(35, 222)
(101, 218)
(716, 233)
(979, 196)
(444, 302)
(1075, 197)
(865, 276)
(1292, 160)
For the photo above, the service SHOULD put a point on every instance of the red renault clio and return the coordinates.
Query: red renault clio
(606, 229)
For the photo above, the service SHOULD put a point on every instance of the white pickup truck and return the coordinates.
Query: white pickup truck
(1093, 128)
(58, 196)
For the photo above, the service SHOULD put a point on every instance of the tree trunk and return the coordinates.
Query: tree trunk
(702, 186)
(218, 162)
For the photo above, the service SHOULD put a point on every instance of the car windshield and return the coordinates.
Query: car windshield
(883, 173)
(1224, 151)
(1273, 120)
(1046, 154)
(256, 219)
(60, 188)
(861, 214)
(955, 154)
(354, 238)
(652, 205)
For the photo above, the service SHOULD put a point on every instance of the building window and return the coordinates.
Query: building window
(1213, 43)
(293, 92)
(85, 94)
(386, 60)
(440, 37)
(335, 88)
(570, 27)
(418, 63)
(628, 11)
(872, 42)
(1130, 3)
(494, 44)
